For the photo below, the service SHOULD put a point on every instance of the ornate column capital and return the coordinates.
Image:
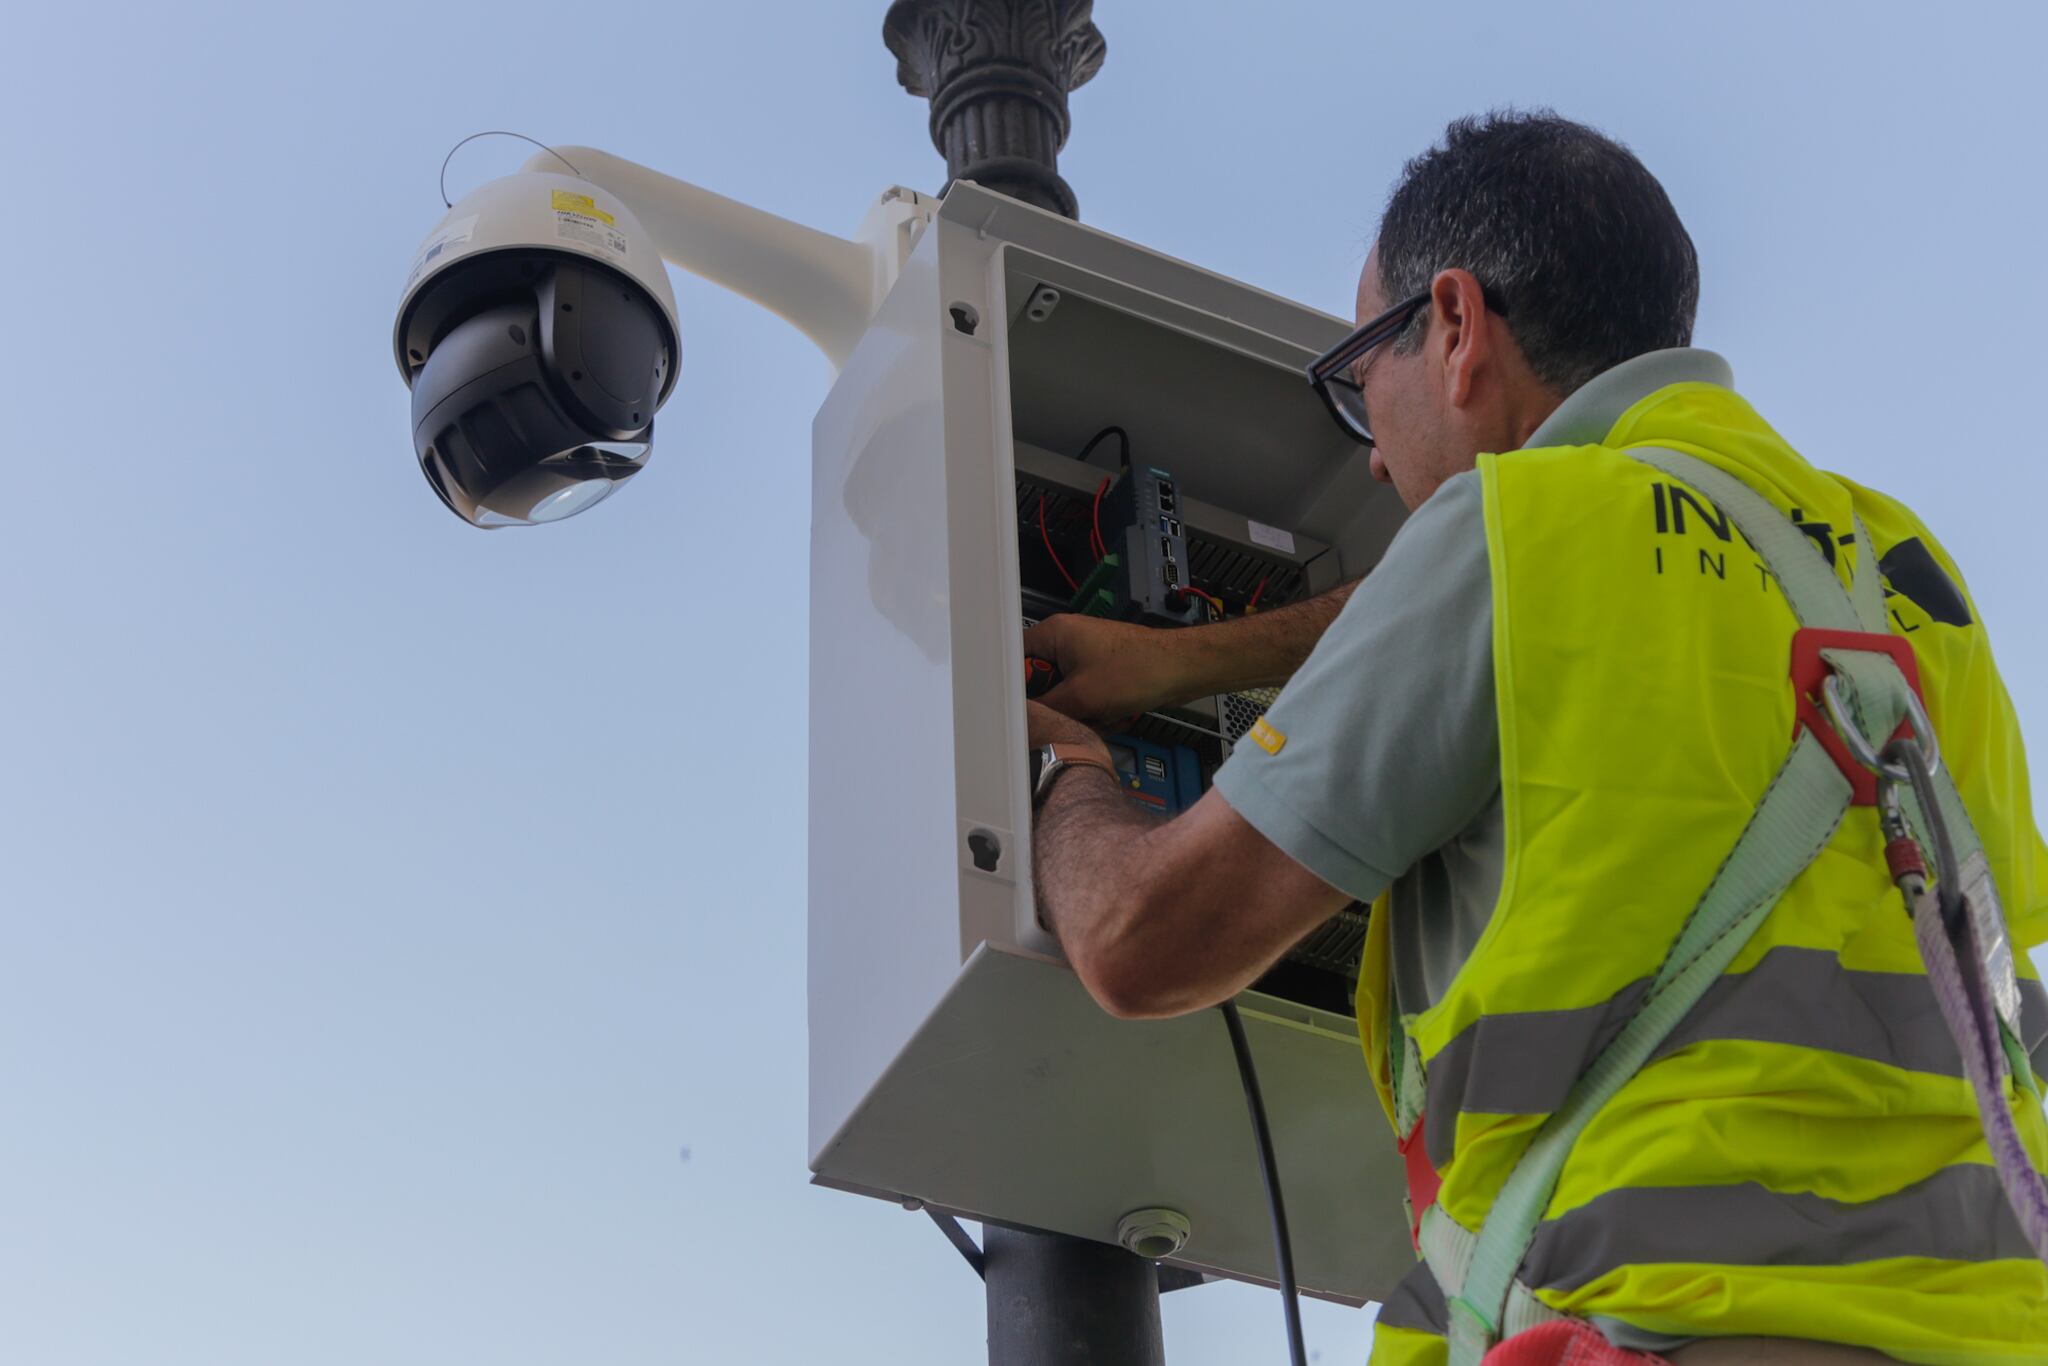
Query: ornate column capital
(997, 73)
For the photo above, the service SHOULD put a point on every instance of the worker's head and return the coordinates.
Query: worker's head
(1543, 253)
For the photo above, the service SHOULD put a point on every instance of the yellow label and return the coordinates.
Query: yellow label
(569, 202)
(1269, 739)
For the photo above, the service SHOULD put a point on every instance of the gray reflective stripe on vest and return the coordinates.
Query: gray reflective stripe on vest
(1794, 820)
(1418, 1303)
(1958, 1214)
(1525, 1063)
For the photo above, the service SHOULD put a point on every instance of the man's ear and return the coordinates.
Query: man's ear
(1464, 340)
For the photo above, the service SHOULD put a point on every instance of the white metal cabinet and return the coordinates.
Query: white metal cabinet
(954, 1059)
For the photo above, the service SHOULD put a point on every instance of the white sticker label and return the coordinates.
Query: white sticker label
(1271, 536)
(577, 227)
(455, 234)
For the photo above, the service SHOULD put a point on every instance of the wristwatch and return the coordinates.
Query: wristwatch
(1056, 759)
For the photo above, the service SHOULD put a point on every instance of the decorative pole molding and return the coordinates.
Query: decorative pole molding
(998, 73)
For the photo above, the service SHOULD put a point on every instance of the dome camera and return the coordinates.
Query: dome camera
(538, 335)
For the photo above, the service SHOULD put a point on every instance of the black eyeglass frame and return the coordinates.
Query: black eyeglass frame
(1334, 366)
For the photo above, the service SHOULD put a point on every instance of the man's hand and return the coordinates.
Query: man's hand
(1113, 670)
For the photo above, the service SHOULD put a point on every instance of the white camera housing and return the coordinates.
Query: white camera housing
(544, 211)
(538, 334)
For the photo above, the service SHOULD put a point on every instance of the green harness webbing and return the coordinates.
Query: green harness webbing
(1794, 821)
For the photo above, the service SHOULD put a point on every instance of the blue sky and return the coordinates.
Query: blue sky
(385, 906)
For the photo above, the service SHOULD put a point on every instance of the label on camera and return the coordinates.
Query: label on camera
(453, 235)
(1270, 536)
(578, 219)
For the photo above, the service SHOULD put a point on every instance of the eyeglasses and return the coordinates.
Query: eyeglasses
(1338, 372)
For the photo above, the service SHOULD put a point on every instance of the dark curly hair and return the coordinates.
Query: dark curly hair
(1574, 240)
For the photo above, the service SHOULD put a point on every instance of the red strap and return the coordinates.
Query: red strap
(1423, 1182)
(1565, 1342)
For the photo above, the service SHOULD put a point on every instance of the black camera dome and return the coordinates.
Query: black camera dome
(535, 378)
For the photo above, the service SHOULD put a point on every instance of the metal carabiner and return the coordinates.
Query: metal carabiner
(1859, 744)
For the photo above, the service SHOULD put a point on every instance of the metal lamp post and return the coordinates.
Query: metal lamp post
(997, 73)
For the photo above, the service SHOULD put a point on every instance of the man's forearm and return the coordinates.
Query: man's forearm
(1258, 651)
(1081, 837)
(1161, 917)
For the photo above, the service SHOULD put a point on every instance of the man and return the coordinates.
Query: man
(1531, 738)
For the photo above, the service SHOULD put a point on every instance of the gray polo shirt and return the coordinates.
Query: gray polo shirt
(1390, 773)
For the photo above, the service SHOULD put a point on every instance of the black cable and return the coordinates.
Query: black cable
(1123, 439)
(497, 133)
(1283, 1248)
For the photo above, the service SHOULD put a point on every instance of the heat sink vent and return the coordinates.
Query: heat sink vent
(1217, 567)
(1336, 946)
(1230, 572)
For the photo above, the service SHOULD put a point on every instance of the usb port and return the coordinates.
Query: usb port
(1172, 525)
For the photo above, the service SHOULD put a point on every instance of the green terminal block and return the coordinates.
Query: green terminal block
(1097, 595)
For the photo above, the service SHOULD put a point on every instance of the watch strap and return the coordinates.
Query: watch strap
(1061, 756)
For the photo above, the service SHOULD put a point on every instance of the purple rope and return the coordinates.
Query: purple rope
(1966, 1005)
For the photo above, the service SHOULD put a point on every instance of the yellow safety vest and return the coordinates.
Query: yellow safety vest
(1803, 1157)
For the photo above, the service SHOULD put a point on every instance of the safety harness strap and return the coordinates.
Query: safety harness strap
(1795, 819)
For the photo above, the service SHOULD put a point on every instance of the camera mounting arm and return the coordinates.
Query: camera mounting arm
(826, 287)
(539, 341)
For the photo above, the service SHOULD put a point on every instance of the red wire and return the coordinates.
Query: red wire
(1095, 541)
(1046, 536)
(1254, 600)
